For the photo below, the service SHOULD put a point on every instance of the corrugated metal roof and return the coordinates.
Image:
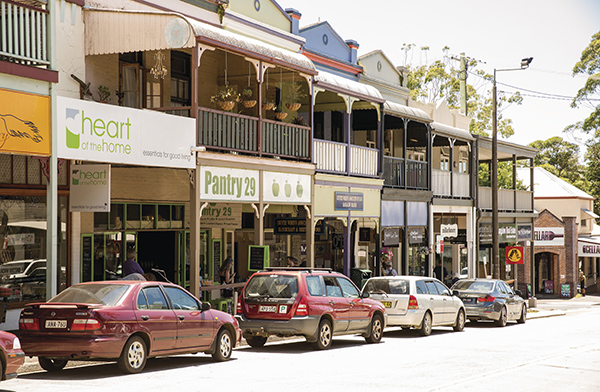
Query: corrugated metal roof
(346, 86)
(405, 111)
(119, 31)
(547, 184)
(447, 130)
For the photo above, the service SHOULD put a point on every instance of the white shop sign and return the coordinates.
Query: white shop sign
(91, 131)
(90, 188)
(223, 183)
(286, 187)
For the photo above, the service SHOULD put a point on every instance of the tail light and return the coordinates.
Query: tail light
(239, 306)
(412, 302)
(487, 298)
(29, 324)
(302, 309)
(86, 325)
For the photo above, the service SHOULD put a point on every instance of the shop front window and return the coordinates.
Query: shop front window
(418, 259)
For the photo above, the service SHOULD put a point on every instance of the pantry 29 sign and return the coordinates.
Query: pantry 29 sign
(91, 131)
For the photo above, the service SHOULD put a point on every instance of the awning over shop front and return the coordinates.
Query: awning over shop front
(452, 132)
(338, 84)
(120, 31)
(587, 214)
(400, 110)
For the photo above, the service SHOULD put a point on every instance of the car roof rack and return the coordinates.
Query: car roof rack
(309, 269)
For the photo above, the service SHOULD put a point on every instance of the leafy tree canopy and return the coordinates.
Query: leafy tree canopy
(560, 158)
(430, 82)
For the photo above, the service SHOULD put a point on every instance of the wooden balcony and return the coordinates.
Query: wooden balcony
(363, 161)
(461, 185)
(440, 182)
(416, 174)
(23, 37)
(331, 157)
(508, 200)
(393, 172)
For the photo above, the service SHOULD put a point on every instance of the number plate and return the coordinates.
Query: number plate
(56, 323)
(386, 304)
(267, 308)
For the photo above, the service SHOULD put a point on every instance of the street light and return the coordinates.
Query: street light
(495, 240)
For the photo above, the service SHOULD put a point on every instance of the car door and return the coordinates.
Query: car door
(157, 318)
(512, 306)
(359, 311)
(449, 308)
(436, 303)
(340, 306)
(195, 329)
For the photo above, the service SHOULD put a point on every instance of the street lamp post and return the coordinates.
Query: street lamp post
(495, 240)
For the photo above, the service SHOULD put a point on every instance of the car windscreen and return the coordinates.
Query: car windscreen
(473, 285)
(388, 286)
(272, 286)
(102, 294)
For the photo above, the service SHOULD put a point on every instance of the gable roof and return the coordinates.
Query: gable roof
(322, 38)
(547, 185)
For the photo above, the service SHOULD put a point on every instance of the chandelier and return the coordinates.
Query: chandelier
(159, 69)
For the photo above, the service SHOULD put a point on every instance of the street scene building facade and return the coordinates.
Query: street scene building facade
(230, 130)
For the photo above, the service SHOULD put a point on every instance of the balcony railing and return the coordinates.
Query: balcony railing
(440, 182)
(23, 37)
(329, 156)
(506, 199)
(393, 172)
(363, 161)
(287, 140)
(416, 174)
(460, 185)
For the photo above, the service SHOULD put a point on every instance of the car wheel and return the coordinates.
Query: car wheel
(224, 346)
(133, 358)
(324, 335)
(460, 321)
(52, 365)
(256, 341)
(523, 317)
(376, 330)
(501, 322)
(425, 329)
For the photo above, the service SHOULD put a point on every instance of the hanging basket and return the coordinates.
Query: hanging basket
(249, 103)
(268, 106)
(226, 105)
(293, 106)
(280, 115)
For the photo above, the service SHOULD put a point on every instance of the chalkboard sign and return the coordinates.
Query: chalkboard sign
(87, 247)
(216, 258)
(258, 257)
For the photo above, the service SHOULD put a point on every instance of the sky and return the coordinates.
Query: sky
(499, 33)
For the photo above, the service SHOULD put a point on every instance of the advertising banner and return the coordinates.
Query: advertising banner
(99, 132)
(24, 123)
(221, 215)
(549, 236)
(286, 187)
(224, 183)
(90, 188)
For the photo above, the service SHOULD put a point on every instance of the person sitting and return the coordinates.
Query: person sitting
(131, 266)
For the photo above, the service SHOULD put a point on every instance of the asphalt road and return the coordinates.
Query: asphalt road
(545, 354)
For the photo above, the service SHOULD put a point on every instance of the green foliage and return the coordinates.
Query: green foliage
(432, 82)
(505, 176)
(560, 158)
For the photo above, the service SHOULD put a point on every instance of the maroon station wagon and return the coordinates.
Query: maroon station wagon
(315, 303)
(127, 321)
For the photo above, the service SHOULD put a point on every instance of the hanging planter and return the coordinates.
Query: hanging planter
(268, 105)
(226, 97)
(226, 105)
(280, 115)
(249, 103)
(293, 106)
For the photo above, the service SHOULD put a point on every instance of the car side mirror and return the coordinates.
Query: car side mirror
(455, 293)
(365, 294)
(519, 293)
(205, 306)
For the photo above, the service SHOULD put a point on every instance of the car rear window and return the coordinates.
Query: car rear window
(388, 286)
(474, 285)
(272, 286)
(103, 294)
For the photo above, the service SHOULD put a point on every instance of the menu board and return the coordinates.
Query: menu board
(86, 258)
(258, 257)
(216, 258)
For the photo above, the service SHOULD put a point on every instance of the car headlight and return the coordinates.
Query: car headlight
(16, 344)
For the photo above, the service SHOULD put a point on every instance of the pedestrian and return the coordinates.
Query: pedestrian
(581, 283)
(130, 266)
(389, 270)
(226, 276)
(292, 261)
(440, 272)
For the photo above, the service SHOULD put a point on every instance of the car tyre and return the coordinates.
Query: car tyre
(375, 330)
(256, 341)
(425, 328)
(523, 317)
(501, 322)
(134, 356)
(52, 365)
(324, 335)
(224, 346)
(460, 321)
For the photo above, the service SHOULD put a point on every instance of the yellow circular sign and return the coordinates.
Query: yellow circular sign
(515, 255)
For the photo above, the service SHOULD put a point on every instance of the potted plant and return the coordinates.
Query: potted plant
(279, 113)
(247, 100)
(293, 93)
(226, 97)
(103, 94)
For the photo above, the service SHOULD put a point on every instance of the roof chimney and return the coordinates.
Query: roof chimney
(295, 15)
(353, 50)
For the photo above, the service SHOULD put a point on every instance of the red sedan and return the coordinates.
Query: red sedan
(127, 321)
(12, 356)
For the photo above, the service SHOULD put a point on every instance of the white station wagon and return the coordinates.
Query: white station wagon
(417, 302)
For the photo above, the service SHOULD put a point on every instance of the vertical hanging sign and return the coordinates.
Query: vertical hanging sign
(90, 188)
